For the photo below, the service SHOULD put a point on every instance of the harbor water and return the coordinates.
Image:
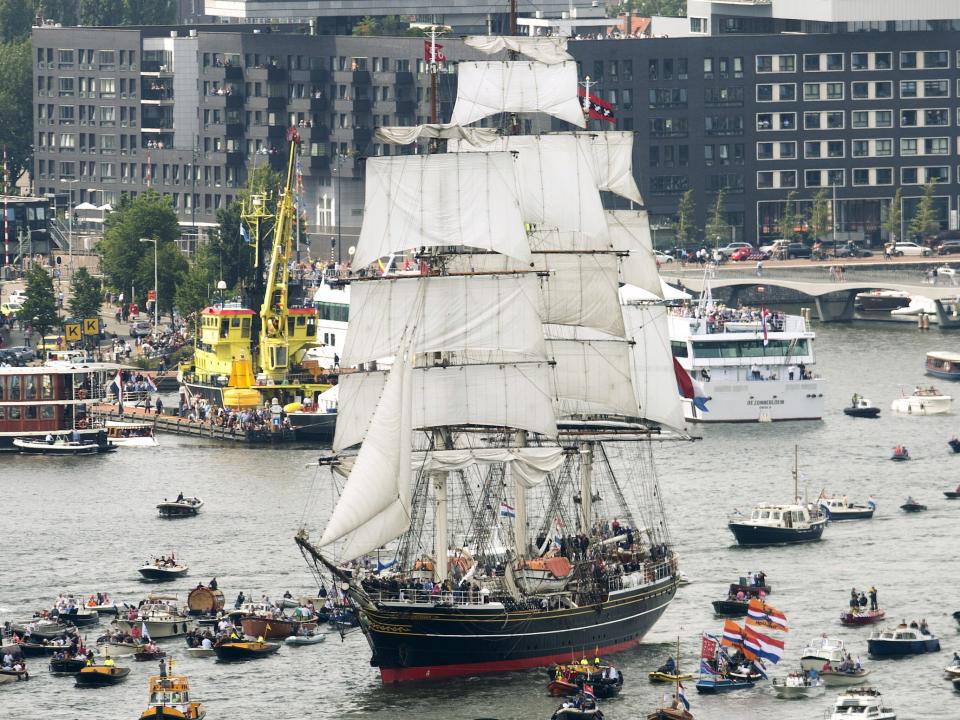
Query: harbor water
(83, 525)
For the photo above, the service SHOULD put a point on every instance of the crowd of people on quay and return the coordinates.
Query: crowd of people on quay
(271, 417)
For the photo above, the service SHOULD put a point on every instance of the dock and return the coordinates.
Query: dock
(176, 425)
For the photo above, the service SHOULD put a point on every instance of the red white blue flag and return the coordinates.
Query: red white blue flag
(690, 388)
(762, 645)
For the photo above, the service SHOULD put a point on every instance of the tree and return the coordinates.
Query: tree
(149, 12)
(16, 19)
(685, 230)
(718, 229)
(101, 12)
(86, 296)
(925, 220)
(127, 262)
(891, 225)
(16, 97)
(40, 308)
(788, 220)
(61, 11)
(192, 294)
(230, 257)
(820, 214)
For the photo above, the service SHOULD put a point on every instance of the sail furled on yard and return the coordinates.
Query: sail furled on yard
(486, 88)
(491, 312)
(374, 507)
(529, 465)
(403, 135)
(453, 199)
(549, 50)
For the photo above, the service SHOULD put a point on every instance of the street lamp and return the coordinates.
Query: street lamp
(71, 183)
(156, 287)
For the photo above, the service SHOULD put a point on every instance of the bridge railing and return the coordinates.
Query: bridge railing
(906, 275)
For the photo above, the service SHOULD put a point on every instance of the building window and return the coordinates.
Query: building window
(860, 90)
(835, 91)
(884, 176)
(908, 88)
(859, 148)
(908, 60)
(882, 61)
(936, 60)
(936, 117)
(883, 147)
(764, 63)
(883, 118)
(765, 181)
(908, 118)
(811, 149)
(938, 174)
(936, 88)
(708, 68)
(909, 176)
(737, 67)
(786, 63)
(908, 146)
(698, 25)
(859, 61)
(653, 69)
(683, 71)
(936, 146)
(861, 176)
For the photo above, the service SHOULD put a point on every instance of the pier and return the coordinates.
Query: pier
(176, 425)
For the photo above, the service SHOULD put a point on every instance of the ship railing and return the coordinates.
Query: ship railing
(428, 597)
(648, 574)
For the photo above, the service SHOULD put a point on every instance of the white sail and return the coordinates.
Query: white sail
(576, 289)
(488, 88)
(374, 507)
(630, 231)
(441, 200)
(529, 465)
(549, 50)
(511, 395)
(359, 395)
(498, 395)
(495, 312)
(654, 379)
(400, 135)
(612, 155)
(558, 182)
(592, 377)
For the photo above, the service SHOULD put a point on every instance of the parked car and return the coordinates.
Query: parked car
(748, 253)
(797, 250)
(661, 257)
(774, 248)
(18, 296)
(23, 353)
(140, 328)
(852, 250)
(949, 247)
(9, 357)
(10, 309)
(726, 251)
(908, 248)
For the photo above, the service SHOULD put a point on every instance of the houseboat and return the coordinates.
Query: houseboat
(943, 365)
(53, 399)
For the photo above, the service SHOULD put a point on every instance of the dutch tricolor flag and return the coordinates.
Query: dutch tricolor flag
(507, 511)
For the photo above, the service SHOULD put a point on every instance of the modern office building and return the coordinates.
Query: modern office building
(856, 111)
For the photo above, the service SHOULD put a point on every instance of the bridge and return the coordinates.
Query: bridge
(833, 298)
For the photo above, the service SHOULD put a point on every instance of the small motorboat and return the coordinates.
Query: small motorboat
(714, 684)
(821, 651)
(134, 435)
(954, 444)
(146, 655)
(861, 407)
(38, 649)
(162, 570)
(778, 525)
(95, 675)
(580, 708)
(14, 674)
(900, 641)
(675, 711)
(923, 401)
(169, 699)
(658, 676)
(912, 506)
(952, 494)
(244, 649)
(839, 509)
(729, 608)
(80, 617)
(61, 446)
(798, 686)
(180, 508)
(119, 649)
(606, 681)
(900, 454)
(863, 702)
(67, 665)
(834, 677)
(952, 671)
(310, 639)
(864, 617)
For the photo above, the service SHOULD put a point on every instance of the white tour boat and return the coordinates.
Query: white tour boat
(129, 434)
(748, 374)
(821, 651)
(863, 703)
(163, 619)
(923, 401)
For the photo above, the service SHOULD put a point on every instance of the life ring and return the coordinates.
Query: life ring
(83, 423)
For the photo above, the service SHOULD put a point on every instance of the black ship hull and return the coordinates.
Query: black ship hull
(427, 642)
(313, 425)
(765, 535)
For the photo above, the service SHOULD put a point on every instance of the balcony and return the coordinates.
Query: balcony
(319, 133)
(234, 130)
(156, 95)
(362, 137)
(405, 78)
(319, 104)
(276, 74)
(234, 157)
(233, 72)
(276, 104)
(406, 107)
(319, 76)
(361, 77)
(362, 105)
(277, 133)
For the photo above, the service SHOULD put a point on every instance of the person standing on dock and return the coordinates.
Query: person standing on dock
(159, 406)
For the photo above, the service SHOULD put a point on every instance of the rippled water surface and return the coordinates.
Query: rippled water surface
(82, 525)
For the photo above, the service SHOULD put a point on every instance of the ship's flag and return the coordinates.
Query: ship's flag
(764, 315)
(732, 634)
(588, 690)
(705, 669)
(690, 388)
(596, 108)
(433, 52)
(683, 698)
(118, 382)
(244, 233)
(708, 647)
(763, 645)
(507, 511)
(759, 613)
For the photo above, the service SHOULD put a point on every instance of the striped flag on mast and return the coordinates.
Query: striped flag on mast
(761, 614)
(762, 645)
(732, 634)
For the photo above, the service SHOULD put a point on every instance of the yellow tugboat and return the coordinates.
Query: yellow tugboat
(243, 359)
(170, 698)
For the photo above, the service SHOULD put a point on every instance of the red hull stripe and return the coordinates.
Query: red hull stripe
(435, 672)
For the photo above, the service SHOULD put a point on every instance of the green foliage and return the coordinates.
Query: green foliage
(61, 11)
(40, 308)
(127, 262)
(230, 257)
(128, 12)
(86, 296)
(925, 221)
(718, 229)
(820, 214)
(670, 8)
(16, 19)
(16, 96)
(192, 294)
(788, 220)
(685, 230)
(891, 224)
(388, 25)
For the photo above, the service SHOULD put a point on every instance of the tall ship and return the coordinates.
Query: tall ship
(244, 358)
(55, 399)
(500, 470)
(754, 365)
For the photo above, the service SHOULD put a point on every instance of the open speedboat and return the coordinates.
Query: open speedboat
(923, 401)
(861, 407)
(162, 570)
(181, 507)
(843, 677)
(94, 675)
(863, 617)
(900, 453)
(798, 686)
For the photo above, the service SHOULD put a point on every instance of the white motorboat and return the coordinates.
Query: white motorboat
(863, 703)
(952, 671)
(127, 434)
(162, 570)
(798, 685)
(843, 677)
(917, 306)
(923, 401)
(313, 639)
(60, 446)
(118, 649)
(840, 508)
(181, 507)
(160, 615)
(821, 651)
(748, 374)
